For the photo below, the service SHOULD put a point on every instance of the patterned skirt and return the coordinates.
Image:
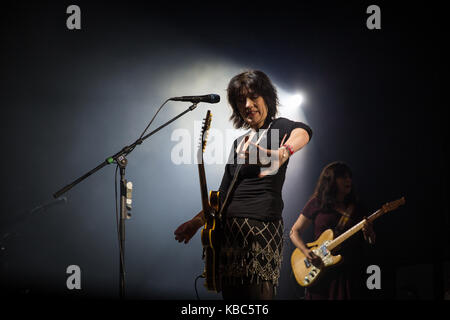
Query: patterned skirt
(251, 251)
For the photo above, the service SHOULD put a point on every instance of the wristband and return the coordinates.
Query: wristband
(291, 150)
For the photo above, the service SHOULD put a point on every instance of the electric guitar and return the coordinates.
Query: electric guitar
(211, 232)
(305, 272)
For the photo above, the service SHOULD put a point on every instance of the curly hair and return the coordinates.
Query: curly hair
(255, 82)
(326, 188)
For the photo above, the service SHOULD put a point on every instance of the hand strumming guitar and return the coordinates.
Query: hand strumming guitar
(313, 258)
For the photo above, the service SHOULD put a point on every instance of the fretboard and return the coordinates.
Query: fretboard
(203, 186)
(350, 232)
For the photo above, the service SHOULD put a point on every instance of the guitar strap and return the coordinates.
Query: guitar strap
(343, 221)
(239, 165)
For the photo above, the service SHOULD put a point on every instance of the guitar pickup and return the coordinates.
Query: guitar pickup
(307, 263)
(324, 250)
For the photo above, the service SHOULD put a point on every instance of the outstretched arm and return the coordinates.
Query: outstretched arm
(297, 140)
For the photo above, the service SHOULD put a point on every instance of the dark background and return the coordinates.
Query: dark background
(71, 98)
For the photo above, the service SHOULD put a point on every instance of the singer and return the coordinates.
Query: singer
(252, 242)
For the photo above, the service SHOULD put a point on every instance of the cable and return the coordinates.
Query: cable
(122, 264)
(195, 286)
(296, 287)
(146, 128)
(121, 256)
(117, 211)
(153, 118)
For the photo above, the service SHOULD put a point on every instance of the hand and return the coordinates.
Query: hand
(368, 232)
(187, 230)
(313, 258)
(273, 158)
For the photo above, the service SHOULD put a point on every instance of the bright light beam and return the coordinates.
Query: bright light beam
(294, 101)
(290, 105)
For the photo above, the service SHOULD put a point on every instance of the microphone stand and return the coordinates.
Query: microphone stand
(121, 160)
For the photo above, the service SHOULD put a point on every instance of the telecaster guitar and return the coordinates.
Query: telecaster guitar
(307, 274)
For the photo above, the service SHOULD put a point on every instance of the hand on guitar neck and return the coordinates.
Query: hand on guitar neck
(188, 229)
(368, 232)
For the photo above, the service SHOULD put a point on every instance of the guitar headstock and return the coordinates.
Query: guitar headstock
(205, 130)
(393, 205)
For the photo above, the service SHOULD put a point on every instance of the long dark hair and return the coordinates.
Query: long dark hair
(256, 82)
(326, 188)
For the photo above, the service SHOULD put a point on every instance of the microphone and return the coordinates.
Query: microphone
(209, 98)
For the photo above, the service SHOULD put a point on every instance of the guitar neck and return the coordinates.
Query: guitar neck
(201, 167)
(203, 187)
(350, 232)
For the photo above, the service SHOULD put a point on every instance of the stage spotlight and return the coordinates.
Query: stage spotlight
(290, 105)
(294, 100)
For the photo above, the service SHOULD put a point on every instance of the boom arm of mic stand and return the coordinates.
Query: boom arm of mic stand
(113, 158)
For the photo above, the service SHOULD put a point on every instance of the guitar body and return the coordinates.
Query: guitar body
(305, 272)
(211, 239)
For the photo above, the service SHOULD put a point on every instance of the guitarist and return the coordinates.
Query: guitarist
(251, 250)
(334, 205)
